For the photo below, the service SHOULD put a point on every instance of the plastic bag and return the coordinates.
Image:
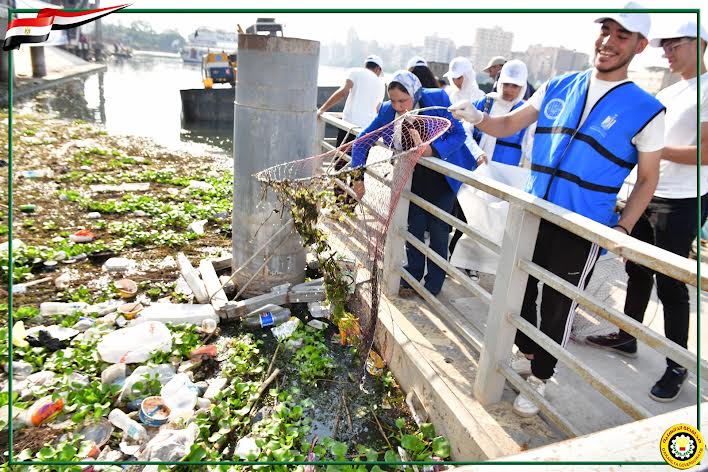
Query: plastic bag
(136, 343)
(286, 329)
(180, 395)
(170, 445)
(489, 215)
(164, 373)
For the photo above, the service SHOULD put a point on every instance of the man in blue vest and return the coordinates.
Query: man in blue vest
(669, 221)
(593, 128)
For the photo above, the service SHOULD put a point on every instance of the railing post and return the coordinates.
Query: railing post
(508, 294)
(394, 249)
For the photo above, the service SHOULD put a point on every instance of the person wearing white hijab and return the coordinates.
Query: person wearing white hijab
(464, 86)
(512, 87)
(462, 76)
(405, 94)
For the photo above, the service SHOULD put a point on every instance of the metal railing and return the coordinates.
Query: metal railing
(515, 265)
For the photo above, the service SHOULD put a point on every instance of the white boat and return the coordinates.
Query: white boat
(205, 40)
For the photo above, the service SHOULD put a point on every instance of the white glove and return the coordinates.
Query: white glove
(464, 110)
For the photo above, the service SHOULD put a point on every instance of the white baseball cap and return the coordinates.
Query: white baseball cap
(514, 72)
(683, 28)
(375, 59)
(416, 61)
(459, 66)
(495, 61)
(634, 22)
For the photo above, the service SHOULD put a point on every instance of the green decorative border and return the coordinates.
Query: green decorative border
(13, 11)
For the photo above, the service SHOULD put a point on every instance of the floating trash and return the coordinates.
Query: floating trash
(153, 411)
(126, 288)
(82, 236)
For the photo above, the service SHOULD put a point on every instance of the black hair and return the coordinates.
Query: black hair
(398, 86)
(425, 75)
(371, 65)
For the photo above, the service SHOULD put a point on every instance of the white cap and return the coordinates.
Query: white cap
(514, 72)
(375, 59)
(495, 61)
(683, 28)
(459, 66)
(416, 61)
(634, 22)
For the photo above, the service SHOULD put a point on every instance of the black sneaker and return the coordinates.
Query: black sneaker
(669, 385)
(619, 342)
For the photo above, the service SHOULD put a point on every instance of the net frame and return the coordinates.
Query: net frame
(319, 187)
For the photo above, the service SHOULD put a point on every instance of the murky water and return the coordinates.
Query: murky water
(140, 96)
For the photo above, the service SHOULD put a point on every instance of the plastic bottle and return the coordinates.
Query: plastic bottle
(132, 428)
(267, 316)
(45, 409)
(37, 173)
(53, 308)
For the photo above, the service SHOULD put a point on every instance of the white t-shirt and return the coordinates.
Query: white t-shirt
(366, 93)
(650, 139)
(679, 180)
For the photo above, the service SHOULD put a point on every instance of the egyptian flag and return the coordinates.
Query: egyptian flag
(36, 30)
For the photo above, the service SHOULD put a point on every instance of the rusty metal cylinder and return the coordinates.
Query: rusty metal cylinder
(274, 123)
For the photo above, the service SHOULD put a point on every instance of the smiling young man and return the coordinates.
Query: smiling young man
(669, 221)
(593, 128)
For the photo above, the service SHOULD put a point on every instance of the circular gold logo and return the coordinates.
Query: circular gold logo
(682, 446)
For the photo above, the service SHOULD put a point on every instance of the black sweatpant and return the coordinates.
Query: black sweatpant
(572, 258)
(457, 212)
(670, 224)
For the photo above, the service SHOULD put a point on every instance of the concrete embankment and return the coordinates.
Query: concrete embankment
(61, 66)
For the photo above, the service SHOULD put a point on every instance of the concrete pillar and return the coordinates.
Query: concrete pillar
(39, 66)
(4, 56)
(98, 36)
(274, 123)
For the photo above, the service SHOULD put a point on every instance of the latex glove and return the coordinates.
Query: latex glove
(464, 110)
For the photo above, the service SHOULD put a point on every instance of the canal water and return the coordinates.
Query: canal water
(140, 96)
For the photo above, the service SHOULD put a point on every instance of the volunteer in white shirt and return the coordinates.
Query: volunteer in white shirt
(593, 128)
(364, 90)
(669, 220)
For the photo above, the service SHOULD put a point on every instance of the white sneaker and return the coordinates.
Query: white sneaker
(525, 407)
(519, 363)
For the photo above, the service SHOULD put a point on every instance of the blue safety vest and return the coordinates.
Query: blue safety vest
(582, 168)
(508, 149)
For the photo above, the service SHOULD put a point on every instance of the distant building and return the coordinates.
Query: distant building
(438, 49)
(401, 54)
(464, 51)
(545, 62)
(489, 42)
(652, 79)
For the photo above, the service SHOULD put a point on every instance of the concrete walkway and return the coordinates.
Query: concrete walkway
(588, 410)
(61, 67)
(433, 356)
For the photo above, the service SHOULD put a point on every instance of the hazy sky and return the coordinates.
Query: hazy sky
(574, 31)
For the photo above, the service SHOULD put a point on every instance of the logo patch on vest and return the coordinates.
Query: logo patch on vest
(608, 122)
(554, 108)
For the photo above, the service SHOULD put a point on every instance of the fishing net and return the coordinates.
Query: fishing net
(345, 232)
